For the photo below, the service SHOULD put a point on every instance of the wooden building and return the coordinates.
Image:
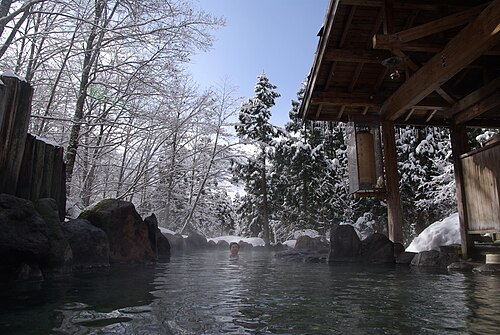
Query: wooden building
(417, 62)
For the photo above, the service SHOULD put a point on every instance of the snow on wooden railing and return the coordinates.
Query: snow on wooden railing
(30, 168)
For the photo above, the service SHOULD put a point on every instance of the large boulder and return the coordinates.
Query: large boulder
(307, 243)
(196, 241)
(377, 249)
(159, 243)
(222, 245)
(60, 258)
(434, 258)
(24, 239)
(89, 244)
(345, 245)
(177, 243)
(127, 233)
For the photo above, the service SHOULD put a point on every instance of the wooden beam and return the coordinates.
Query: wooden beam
(398, 4)
(475, 110)
(331, 74)
(474, 97)
(394, 210)
(318, 112)
(356, 55)
(346, 26)
(430, 28)
(347, 99)
(341, 112)
(465, 47)
(382, 42)
(445, 95)
(388, 16)
(355, 77)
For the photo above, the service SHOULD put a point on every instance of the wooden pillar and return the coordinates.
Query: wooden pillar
(458, 147)
(394, 210)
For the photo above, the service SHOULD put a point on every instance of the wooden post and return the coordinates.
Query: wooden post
(458, 147)
(15, 110)
(394, 211)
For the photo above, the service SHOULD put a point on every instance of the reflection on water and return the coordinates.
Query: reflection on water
(205, 293)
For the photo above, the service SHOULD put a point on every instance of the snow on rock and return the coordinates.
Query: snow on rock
(305, 232)
(290, 243)
(255, 241)
(444, 232)
(166, 231)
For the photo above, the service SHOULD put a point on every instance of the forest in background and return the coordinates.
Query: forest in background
(111, 87)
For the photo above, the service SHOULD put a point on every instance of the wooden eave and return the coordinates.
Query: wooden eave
(449, 55)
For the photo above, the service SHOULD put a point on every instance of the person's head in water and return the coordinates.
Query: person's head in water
(234, 247)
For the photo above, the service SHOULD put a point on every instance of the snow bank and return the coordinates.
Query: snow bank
(439, 233)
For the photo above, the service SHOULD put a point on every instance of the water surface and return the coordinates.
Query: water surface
(206, 293)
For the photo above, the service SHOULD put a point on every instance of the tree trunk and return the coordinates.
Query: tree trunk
(265, 207)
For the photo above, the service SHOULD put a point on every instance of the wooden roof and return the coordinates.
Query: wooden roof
(447, 54)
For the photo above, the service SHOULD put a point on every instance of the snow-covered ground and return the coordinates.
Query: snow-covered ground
(444, 232)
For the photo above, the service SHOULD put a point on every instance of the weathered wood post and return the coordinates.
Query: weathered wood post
(15, 110)
(30, 168)
(394, 210)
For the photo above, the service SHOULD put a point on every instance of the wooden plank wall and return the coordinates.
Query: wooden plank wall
(482, 188)
(30, 168)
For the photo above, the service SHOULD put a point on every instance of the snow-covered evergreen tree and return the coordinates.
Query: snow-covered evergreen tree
(254, 128)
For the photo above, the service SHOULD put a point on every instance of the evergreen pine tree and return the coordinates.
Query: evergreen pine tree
(254, 128)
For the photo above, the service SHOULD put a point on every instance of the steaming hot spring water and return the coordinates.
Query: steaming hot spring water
(207, 293)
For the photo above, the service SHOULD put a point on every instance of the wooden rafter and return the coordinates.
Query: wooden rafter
(346, 99)
(356, 55)
(430, 28)
(480, 35)
(475, 110)
(474, 98)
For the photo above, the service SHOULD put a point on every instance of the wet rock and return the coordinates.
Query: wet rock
(345, 245)
(211, 245)
(302, 256)
(244, 245)
(488, 268)
(399, 248)
(127, 233)
(434, 258)
(278, 247)
(405, 257)
(196, 241)
(461, 267)
(177, 244)
(222, 245)
(377, 249)
(89, 244)
(159, 243)
(307, 243)
(24, 237)
(60, 257)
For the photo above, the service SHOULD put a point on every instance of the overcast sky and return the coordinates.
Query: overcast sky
(277, 37)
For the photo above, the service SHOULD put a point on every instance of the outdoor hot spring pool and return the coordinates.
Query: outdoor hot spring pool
(206, 293)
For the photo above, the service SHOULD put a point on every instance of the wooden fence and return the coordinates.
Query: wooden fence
(30, 168)
(481, 171)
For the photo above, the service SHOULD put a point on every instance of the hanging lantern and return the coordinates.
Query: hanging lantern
(366, 178)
